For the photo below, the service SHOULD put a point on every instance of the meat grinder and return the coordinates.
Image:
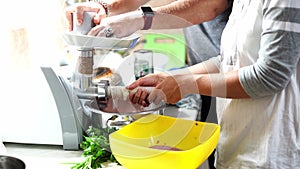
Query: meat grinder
(84, 99)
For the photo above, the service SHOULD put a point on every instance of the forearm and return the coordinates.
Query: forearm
(183, 13)
(218, 85)
(205, 78)
(178, 14)
(123, 6)
(221, 85)
(209, 66)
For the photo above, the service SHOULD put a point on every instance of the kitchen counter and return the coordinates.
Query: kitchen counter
(43, 156)
(54, 157)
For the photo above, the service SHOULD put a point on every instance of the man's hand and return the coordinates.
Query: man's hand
(79, 8)
(142, 96)
(120, 25)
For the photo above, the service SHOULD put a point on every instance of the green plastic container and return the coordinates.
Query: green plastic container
(173, 46)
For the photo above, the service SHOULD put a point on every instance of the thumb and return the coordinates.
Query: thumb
(144, 81)
(98, 17)
(133, 85)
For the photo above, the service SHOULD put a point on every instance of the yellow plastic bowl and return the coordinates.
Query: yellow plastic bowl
(131, 145)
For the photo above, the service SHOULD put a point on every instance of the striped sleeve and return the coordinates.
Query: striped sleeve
(279, 52)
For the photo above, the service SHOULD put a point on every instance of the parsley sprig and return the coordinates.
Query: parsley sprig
(96, 149)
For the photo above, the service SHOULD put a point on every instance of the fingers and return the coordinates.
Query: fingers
(69, 17)
(144, 99)
(144, 96)
(149, 94)
(70, 12)
(100, 15)
(79, 14)
(157, 96)
(134, 85)
(149, 80)
(97, 31)
(79, 8)
(139, 97)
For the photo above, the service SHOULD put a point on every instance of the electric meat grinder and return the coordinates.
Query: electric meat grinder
(85, 98)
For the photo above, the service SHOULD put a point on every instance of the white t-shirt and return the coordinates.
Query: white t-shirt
(262, 40)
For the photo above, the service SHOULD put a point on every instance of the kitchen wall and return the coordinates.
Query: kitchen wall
(30, 34)
(31, 37)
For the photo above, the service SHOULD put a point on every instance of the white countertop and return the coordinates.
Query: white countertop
(54, 157)
(43, 156)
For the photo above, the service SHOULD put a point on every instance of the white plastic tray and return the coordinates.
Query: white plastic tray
(85, 41)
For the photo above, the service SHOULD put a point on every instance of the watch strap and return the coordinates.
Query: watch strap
(147, 22)
(148, 16)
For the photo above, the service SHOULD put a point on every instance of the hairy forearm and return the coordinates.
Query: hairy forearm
(178, 14)
(183, 13)
(123, 6)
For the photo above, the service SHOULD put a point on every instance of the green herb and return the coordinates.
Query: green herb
(96, 148)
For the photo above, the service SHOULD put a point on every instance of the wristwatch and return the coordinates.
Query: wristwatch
(148, 16)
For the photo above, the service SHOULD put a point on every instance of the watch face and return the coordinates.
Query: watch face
(146, 9)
